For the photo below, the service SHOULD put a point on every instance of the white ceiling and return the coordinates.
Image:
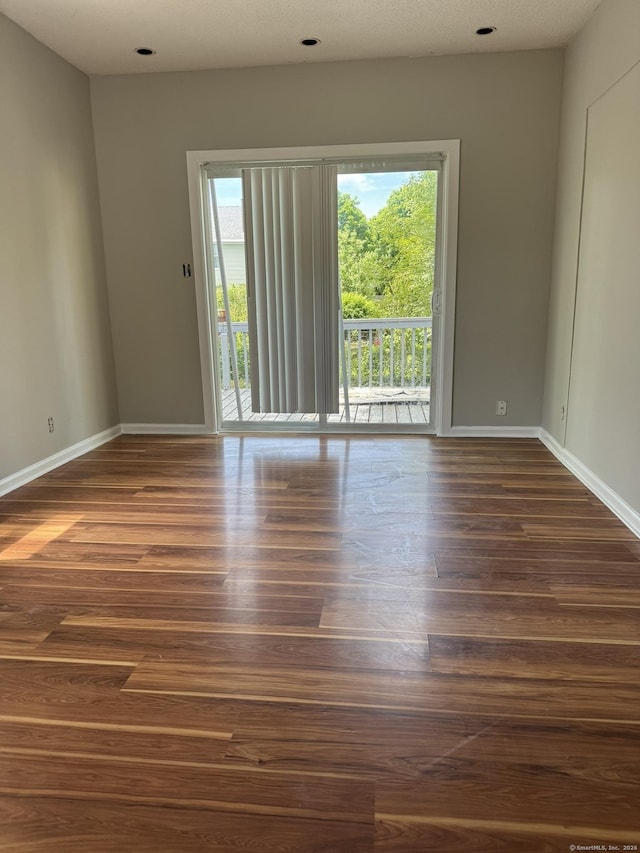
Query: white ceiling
(99, 36)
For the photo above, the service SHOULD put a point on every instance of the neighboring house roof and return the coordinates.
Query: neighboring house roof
(231, 223)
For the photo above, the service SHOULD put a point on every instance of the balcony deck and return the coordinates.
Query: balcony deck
(386, 359)
(366, 406)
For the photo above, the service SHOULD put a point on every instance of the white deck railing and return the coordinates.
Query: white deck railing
(379, 353)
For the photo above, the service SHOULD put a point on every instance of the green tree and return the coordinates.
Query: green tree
(389, 258)
(237, 294)
(354, 247)
(403, 235)
(355, 306)
(351, 219)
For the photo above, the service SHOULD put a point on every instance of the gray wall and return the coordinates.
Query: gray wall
(504, 107)
(594, 370)
(55, 343)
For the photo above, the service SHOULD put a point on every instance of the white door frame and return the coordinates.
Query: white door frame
(446, 258)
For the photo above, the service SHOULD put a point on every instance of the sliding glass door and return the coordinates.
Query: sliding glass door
(326, 294)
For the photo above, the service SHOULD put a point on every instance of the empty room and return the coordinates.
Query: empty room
(319, 447)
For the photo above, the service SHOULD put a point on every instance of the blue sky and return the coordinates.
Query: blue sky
(371, 190)
(229, 192)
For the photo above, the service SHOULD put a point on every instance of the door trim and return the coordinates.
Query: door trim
(446, 258)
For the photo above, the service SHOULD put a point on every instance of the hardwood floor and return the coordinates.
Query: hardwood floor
(317, 644)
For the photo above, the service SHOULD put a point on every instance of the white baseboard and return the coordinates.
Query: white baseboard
(492, 432)
(554, 446)
(165, 429)
(618, 506)
(26, 475)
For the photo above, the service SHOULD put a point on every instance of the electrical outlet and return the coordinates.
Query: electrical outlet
(51, 424)
(501, 407)
(562, 413)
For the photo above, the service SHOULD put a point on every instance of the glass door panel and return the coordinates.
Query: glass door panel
(387, 240)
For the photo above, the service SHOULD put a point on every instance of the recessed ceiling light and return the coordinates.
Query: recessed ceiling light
(485, 31)
(310, 42)
(144, 51)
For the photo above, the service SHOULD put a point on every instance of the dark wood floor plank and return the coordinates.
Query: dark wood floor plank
(407, 745)
(605, 590)
(390, 586)
(429, 691)
(204, 626)
(245, 649)
(213, 599)
(41, 825)
(600, 530)
(461, 614)
(118, 579)
(26, 737)
(369, 742)
(590, 661)
(568, 550)
(416, 742)
(126, 512)
(471, 789)
(512, 506)
(88, 693)
(20, 678)
(593, 750)
(202, 535)
(174, 783)
(20, 640)
(61, 552)
(197, 618)
(396, 834)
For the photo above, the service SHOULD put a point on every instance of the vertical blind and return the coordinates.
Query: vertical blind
(291, 245)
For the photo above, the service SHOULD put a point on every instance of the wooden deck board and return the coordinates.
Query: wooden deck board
(414, 410)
